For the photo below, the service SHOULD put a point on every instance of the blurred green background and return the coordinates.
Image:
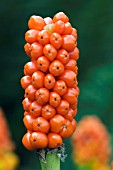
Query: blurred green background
(94, 21)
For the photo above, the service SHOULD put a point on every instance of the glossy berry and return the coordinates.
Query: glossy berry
(48, 20)
(48, 112)
(74, 124)
(43, 64)
(40, 124)
(60, 87)
(26, 104)
(67, 129)
(63, 108)
(56, 40)
(43, 37)
(56, 68)
(26, 81)
(54, 140)
(49, 81)
(30, 92)
(26, 141)
(54, 99)
(27, 48)
(60, 16)
(36, 22)
(71, 65)
(69, 115)
(28, 122)
(36, 50)
(50, 52)
(31, 36)
(35, 109)
(67, 28)
(38, 79)
(30, 68)
(59, 27)
(26, 113)
(74, 54)
(42, 96)
(38, 140)
(74, 33)
(68, 43)
(63, 56)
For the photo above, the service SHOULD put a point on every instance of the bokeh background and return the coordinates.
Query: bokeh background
(94, 21)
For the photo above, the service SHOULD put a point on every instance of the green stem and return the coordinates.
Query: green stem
(52, 162)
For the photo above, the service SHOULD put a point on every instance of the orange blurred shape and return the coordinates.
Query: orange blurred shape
(112, 166)
(91, 141)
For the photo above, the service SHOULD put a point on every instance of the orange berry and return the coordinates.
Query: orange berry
(26, 104)
(71, 96)
(31, 36)
(54, 99)
(36, 22)
(59, 27)
(60, 87)
(43, 64)
(35, 109)
(36, 50)
(27, 48)
(74, 33)
(73, 106)
(48, 20)
(28, 122)
(56, 68)
(42, 96)
(48, 112)
(56, 123)
(26, 113)
(54, 140)
(26, 81)
(49, 81)
(30, 92)
(63, 56)
(50, 52)
(56, 40)
(68, 43)
(60, 16)
(30, 68)
(67, 28)
(74, 124)
(63, 108)
(43, 37)
(71, 65)
(67, 129)
(26, 141)
(74, 54)
(69, 77)
(38, 79)
(41, 125)
(69, 115)
(74, 113)
(38, 140)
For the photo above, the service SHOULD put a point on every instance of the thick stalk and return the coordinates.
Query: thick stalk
(52, 162)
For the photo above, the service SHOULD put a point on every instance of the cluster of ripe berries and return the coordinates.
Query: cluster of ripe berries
(50, 81)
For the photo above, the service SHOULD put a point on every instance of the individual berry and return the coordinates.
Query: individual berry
(26, 81)
(60, 87)
(73, 106)
(26, 113)
(54, 140)
(60, 16)
(74, 124)
(67, 129)
(38, 140)
(54, 99)
(35, 109)
(26, 141)
(63, 56)
(42, 96)
(38, 79)
(28, 122)
(30, 68)
(50, 52)
(31, 36)
(67, 29)
(71, 95)
(56, 123)
(63, 108)
(48, 20)
(59, 27)
(26, 104)
(48, 112)
(40, 124)
(71, 65)
(69, 77)
(56, 40)
(36, 22)
(27, 48)
(43, 37)
(74, 33)
(56, 68)
(43, 64)
(68, 43)
(74, 113)
(74, 54)
(69, 115)
(36, 50)
(30, 92)
(49, 81)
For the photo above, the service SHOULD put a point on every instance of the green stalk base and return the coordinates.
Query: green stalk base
(52, 162)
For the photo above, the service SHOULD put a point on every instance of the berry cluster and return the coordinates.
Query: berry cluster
(50, 81)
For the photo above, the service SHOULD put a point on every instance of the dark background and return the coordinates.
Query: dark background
(94, 21)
